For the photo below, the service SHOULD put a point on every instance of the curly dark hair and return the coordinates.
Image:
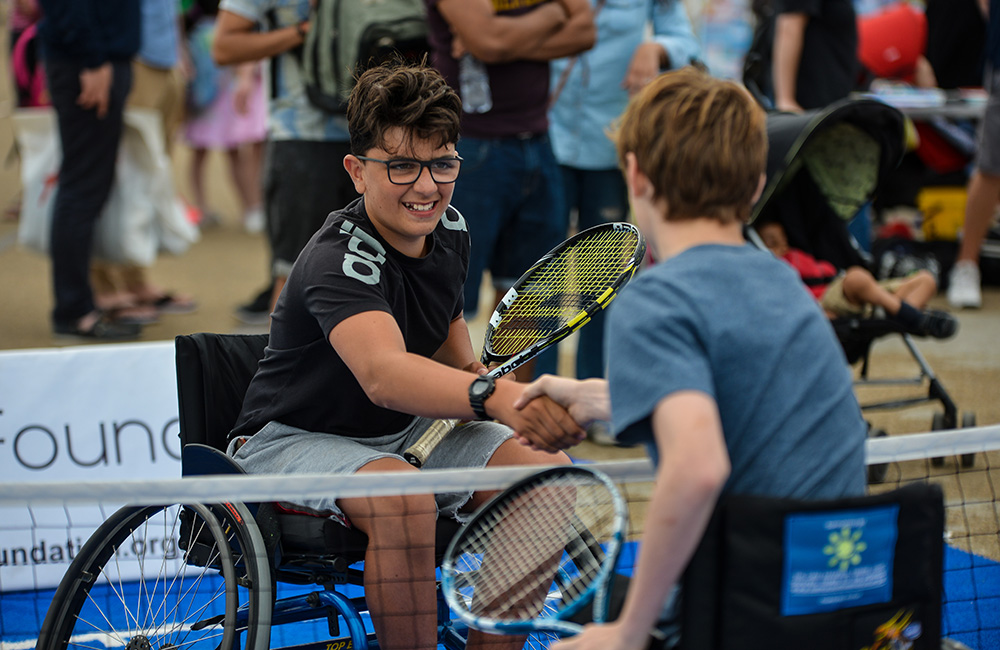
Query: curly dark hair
(399, 93)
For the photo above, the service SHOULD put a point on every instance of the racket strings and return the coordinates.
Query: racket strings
(520, 546)
(538, 554)
(563, 286)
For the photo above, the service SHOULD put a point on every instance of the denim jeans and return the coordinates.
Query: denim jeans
(599, 196)
(90, 149)
(510, 193)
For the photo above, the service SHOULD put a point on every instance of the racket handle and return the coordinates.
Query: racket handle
(418, 452)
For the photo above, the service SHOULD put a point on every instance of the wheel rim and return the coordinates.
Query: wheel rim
(130, 587)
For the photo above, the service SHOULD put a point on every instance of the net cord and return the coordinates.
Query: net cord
(267, 488)
(276, 487)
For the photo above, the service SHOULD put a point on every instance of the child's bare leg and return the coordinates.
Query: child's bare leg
(917, 289)
(198, 158)
(861, 288)
(399, 562)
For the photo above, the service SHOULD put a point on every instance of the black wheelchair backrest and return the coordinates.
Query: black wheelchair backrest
(213, 373)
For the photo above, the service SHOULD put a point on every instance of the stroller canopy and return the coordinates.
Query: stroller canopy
(823, 166)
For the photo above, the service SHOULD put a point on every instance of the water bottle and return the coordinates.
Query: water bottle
(474, 85)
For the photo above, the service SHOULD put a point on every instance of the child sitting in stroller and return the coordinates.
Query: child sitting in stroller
(856, 292)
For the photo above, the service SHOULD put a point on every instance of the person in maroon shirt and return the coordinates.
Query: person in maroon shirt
(496, 55)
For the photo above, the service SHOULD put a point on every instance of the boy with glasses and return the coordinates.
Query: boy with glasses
(368, 342)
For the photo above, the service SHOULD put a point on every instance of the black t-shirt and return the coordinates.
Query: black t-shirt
(344, 270)
(956, 38)
(828, 68)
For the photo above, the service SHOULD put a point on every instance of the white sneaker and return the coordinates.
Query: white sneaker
(963, 286)
(253, 220)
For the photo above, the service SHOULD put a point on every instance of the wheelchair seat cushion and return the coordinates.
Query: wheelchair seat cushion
(310, 535)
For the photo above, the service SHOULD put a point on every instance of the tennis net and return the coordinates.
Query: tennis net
(44, 526)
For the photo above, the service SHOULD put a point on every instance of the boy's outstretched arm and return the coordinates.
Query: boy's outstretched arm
(694, 465)
(586, 400)
(372, 346)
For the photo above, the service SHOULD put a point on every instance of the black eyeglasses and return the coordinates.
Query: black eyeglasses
(406, 171)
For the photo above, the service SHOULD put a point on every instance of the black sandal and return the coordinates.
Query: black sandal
(103, 329)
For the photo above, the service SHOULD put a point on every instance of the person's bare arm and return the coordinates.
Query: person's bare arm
(237, 41)
(577, 35)
(497, 39)
(372, 346)
(694, 465)
(923, 74)
(456, 351)
(789, 32)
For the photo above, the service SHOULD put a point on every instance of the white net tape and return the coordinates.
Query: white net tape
(260, 488)
(265, 487)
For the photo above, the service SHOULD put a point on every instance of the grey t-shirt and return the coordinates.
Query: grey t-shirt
(737, 324)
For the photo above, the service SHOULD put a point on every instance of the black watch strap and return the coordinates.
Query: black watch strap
(479, 391)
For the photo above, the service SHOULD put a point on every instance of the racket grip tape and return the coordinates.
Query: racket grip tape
(418, 452)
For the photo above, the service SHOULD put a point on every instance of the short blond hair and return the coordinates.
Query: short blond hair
(701, 141)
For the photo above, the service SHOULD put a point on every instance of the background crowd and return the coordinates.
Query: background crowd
(538, 163)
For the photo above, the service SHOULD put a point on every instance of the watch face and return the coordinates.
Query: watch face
(480, 386)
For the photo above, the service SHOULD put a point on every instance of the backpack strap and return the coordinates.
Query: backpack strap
(271, 21)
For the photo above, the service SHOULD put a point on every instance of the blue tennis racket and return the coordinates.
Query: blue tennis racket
(537, 553)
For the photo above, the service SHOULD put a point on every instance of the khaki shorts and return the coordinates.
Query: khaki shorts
(834, 301)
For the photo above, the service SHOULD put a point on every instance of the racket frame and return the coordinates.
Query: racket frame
(419, 451)
(510, 362)
(596, 592)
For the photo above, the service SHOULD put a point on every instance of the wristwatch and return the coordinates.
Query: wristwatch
(479, 390)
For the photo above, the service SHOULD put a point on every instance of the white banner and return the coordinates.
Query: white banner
(85, 413)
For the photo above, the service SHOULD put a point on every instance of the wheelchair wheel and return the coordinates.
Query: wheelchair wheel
(165, 577)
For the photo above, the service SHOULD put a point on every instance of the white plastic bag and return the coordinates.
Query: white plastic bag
(141, 215)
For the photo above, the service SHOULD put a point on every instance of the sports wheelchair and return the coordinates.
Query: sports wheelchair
(212, 576)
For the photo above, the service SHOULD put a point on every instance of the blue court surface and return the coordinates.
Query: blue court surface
(971, 612)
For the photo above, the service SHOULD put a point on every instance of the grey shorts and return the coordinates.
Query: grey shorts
(282, 449)
(988, 148)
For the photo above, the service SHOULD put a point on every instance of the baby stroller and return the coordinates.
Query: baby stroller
(823, 167)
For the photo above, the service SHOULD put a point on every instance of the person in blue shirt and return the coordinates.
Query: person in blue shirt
(590, 91)
(719, 363)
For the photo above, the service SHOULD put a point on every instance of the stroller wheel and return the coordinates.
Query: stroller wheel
(938, 424)
(877, 472)
(968, 421)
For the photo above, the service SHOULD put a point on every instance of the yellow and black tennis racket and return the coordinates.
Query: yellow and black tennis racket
(556, 297)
